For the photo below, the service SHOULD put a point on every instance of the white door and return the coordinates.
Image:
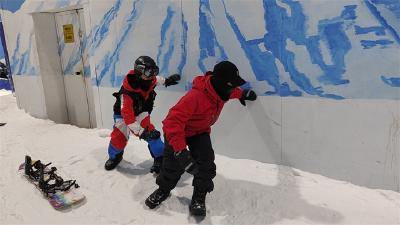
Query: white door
(70, 32)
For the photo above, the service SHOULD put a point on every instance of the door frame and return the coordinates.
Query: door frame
(75, 82)
(51, 74)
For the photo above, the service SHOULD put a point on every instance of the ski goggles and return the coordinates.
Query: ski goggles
(148, 71)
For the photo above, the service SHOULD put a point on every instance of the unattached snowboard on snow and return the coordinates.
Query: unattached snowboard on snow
(60, 194)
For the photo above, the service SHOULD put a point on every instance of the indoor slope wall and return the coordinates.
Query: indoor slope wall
(327, 74)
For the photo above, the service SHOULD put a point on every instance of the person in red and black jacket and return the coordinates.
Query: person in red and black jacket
(138, 97)
(188, 124)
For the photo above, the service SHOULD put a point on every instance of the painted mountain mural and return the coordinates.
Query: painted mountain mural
(310, 48)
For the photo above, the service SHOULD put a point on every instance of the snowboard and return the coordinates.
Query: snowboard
(2, 124)
(59, 193)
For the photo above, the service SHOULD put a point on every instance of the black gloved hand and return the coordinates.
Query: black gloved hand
(117, 104)
(186, 161)
(247, 95)
(150, 135)
(172, 80)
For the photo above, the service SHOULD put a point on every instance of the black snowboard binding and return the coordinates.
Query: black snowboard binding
(33, 170)
(55, 183)
(48, 181)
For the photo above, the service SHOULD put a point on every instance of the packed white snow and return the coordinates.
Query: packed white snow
(246, 191)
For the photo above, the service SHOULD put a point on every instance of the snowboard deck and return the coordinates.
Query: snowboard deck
(60, 199)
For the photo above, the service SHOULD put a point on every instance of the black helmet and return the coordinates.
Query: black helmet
(228, 73)
(145, 65)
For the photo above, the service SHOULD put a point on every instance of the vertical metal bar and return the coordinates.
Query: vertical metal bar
(3, 41)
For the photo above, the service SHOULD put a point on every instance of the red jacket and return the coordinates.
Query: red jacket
(136, 123)
(194, 113)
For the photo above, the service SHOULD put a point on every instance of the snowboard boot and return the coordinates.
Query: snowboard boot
(197, 206)
(112, 163)
(156, 168)
(156, 198)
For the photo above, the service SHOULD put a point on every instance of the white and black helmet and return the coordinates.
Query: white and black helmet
(145, 65)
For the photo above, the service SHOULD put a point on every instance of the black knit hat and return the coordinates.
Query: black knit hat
(229, 73)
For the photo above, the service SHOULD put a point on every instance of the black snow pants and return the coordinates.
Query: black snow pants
(202, 152)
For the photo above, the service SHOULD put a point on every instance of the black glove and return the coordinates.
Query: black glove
(247, 95)
(186, 161)
(117, 104)
(172, 80)
(150, 135)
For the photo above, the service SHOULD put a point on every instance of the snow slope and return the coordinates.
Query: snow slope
(246, 191)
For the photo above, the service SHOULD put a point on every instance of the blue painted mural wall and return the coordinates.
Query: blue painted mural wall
(327, 72)
(333, 74)
(1, 50)
(296, 51)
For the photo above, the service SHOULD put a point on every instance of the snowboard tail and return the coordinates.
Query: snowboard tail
(60, 194)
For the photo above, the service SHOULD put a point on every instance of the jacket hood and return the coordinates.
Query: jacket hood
(125, 82)
(203, 84)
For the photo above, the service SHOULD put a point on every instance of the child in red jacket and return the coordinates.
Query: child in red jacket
(188, 123)
(138, 97)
